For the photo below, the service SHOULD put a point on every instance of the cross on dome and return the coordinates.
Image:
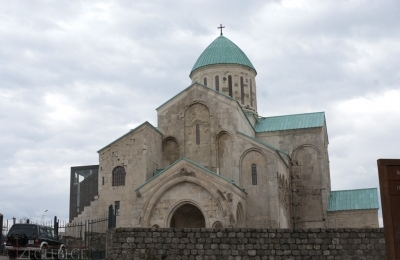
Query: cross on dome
(220, 27)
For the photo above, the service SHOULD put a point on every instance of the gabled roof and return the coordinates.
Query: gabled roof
(353, 199)
(222, 51)
(193, 163)
(130, 131)
(213, 90)
(288, 122)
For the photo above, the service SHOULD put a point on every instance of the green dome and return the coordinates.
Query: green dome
(222, 51)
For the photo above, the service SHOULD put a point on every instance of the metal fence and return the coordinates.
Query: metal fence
(83, 240)
(88, 238)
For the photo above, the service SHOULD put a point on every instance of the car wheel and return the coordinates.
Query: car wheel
(11, 254)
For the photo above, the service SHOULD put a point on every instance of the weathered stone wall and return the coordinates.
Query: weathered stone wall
(139, 243)
(310, 180)
(367, 218)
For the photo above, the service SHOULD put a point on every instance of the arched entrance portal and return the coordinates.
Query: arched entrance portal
(188, 216)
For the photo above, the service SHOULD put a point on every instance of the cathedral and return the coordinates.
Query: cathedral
(213, 162)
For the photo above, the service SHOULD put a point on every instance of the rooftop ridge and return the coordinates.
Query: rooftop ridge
(262, 117)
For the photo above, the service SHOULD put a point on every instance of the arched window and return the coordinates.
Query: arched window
(118, 176)
(242, 89)
(217, 83)
(217, 224)
(205, 81)
(230, 85)
(251, 94)
(254, 174)
(197, 134)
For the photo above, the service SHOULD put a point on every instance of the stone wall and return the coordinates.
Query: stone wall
(367, 218)
(236, 243)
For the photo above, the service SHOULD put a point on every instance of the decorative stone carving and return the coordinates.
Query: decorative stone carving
(184, 172)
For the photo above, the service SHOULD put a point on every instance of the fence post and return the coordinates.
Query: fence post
(56, 226)
(111, 217)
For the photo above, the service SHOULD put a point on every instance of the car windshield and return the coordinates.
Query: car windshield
(28, 230)
(46, 231)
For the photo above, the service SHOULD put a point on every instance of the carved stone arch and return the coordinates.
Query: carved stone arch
(240, 216)
(224, 147)
(173, 208)
(308, 181)
(221, 133)
(197, 134)
(170, 138)
(256, 177)
(170, 183)
(306, 145)
(246, 167)
(170, 150)
(194, 103)
(254, 150)
(217, 224)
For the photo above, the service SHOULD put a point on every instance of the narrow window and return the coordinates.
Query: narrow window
(217, 83)
(102, 182)
(230, 85)
(242, 89)
(197, 134)
(118, 176)
(205, 81)
(254, 174)
(117, 207)
(251, 94)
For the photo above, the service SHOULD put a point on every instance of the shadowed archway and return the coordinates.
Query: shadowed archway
(188, 216)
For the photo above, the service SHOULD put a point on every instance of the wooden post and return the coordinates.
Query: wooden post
(389, 182)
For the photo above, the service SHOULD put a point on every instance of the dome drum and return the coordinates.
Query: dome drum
(236, 81)
(224, 67)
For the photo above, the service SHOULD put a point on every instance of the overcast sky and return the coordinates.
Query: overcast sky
(76, 75)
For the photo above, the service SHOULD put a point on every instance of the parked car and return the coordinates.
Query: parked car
(34, 241)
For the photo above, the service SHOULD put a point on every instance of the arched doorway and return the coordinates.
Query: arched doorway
(188, 216)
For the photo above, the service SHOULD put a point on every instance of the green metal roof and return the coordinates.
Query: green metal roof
(353, 199)
(222, 51)
(299, 121)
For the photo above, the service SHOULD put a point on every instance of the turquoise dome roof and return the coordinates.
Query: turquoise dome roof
(222, 51)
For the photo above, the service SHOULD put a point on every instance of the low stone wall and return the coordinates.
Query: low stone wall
(241, 243)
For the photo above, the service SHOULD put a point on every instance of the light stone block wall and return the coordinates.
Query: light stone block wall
(353, 219)
(263, 208)
(225, 116)
(139, 152)
(308, 149)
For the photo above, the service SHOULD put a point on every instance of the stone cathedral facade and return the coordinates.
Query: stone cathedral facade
(212, 161)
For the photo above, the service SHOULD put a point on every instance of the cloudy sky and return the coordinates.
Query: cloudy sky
(76, 75)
